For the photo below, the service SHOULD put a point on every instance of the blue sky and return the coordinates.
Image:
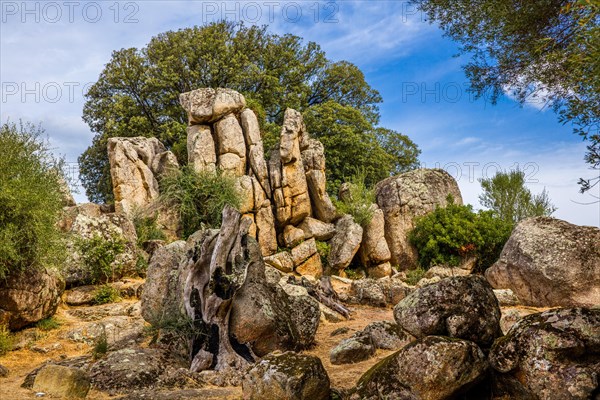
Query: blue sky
(49, 52)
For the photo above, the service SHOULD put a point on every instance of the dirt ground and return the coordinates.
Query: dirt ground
(53, 345)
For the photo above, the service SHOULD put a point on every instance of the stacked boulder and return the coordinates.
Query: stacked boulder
(454, 321)
(284, 198)
(224, 135)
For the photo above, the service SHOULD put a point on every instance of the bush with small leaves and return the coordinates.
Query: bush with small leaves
(451, 234)
(30, 200)
(106, 294)
(198, 197)
(358, 200)
(99, 256)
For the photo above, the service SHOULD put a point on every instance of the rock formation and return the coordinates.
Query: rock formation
(135, 164)
(410, 195)
(284, 199)
(549, 355)
(547, 262)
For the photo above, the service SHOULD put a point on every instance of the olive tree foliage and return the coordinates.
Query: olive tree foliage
(507, 196)
(137, 93)
(30, 200)
(543, 50)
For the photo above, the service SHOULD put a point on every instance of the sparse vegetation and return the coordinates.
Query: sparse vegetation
(198, 197)
(146, 228)
(413, 276)
(100, 345)
(323, 248)
(6, 340)
(106, 294)
(99, 256)
(30, 198)
(48, 324)
(358, 200)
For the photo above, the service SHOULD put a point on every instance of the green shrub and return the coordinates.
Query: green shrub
(323, 248)
(450, 234)
(6, 340)
(48, 324)
(99, 254)
(100, 344)
(106, 294)
(30, 199)
(357, 202)
(146, 229)
(413, 276)
(198, 197)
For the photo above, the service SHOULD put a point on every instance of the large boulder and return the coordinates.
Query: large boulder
(162, 298)
(345, 243)
(406, 196)
(431, 368)
(62, 382)
(273, 317)
(460, 307)
(29, 296)
(128, 369)
(550, 355)
(287, 376)
(548, 262)
(208, 105)
(135, 165)
(83, 222)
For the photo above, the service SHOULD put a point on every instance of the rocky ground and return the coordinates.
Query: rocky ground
(76, 335)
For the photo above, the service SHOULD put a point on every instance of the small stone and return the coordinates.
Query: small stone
(61, 381)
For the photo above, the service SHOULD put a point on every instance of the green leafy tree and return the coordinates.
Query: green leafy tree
(30, 200)
(353, 145)
(137, 93)
(452, 233)
(545, 50)
(506, 194)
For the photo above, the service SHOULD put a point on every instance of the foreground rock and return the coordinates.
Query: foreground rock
(287, 376)
(410, 195)
(84, 222)
(63, 382)
(356, 348)
(208, 105)
(548, 262)
(162, 298)
(30, 296)
(239, 314)
(550, 355)
(460, 307)
(128, 369)
(432, 368)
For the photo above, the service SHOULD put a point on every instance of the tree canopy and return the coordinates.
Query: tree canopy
(507, 196)
(137, 94)
(543, 50)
